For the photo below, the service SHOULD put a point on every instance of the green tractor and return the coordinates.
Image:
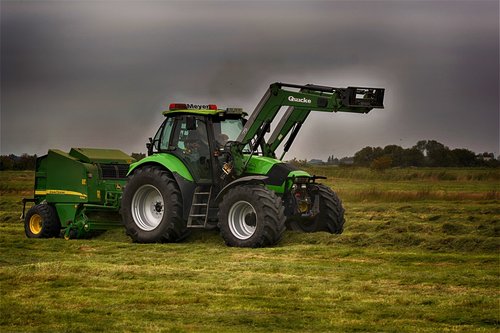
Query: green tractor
(207, 168)
(212, 168)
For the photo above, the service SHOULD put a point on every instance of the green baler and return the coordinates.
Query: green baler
(78, 192)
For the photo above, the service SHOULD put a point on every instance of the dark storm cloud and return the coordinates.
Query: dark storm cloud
(99, 73)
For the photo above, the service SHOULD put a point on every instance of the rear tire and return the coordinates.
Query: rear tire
(251, 216)
(42, 221)
(330, 217)
(152, 207)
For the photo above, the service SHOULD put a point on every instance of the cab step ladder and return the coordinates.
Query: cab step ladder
(198, 215)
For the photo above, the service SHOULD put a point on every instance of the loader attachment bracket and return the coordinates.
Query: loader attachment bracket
(363, 97)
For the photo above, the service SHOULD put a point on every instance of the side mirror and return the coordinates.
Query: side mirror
(149, 146)
(190, 123)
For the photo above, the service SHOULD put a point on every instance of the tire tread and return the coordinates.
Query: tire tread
(175, 229)
(271, 211)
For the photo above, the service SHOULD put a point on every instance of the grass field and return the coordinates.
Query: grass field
(420, 253)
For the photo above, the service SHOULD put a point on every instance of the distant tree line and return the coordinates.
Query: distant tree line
(426, 153)
(138, 156)
(13, 162)
(28, 162)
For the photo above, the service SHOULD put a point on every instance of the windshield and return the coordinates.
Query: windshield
(232, 128)
(228, 130)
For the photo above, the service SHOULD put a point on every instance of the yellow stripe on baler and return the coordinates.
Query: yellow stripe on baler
(63, 192)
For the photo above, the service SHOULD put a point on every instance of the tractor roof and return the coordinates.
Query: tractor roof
(205, 110)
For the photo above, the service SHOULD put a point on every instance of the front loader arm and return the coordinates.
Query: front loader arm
(300, 104)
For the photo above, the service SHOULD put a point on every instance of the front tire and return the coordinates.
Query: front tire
(251, 216)
(152, 207)
(330, 217)
(42, 221)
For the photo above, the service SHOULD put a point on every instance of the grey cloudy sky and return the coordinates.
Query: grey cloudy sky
(99, 73)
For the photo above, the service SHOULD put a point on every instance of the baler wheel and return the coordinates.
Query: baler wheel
(152, 207)
(35, 224)
(330, 217)
(251, 216)
(41, 221)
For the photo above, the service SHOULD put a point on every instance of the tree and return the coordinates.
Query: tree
(395, 153)
(27, 162)
(13, 162)
(412, 157)
(365, 156)
(463, 158)
(436, 154)
(421, 146)
(6, 163)
(138, 156)
(332, 160)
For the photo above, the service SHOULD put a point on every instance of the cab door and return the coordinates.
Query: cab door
(190, 142)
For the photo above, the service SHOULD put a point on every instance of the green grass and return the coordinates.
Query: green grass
(426, 263)
(398, 174)
(411, 184)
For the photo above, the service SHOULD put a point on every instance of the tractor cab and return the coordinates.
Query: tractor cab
(197, 135)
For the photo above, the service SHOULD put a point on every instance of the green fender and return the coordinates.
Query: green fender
(279, 174)
(168, 161)
(243, 180)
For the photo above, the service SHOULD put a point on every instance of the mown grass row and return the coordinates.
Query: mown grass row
(411, 174)
(373, 194)
(16, 181)
(401, 185)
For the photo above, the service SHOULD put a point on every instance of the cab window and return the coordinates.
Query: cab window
(228, 130)
(191, 145)
(166, 133)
